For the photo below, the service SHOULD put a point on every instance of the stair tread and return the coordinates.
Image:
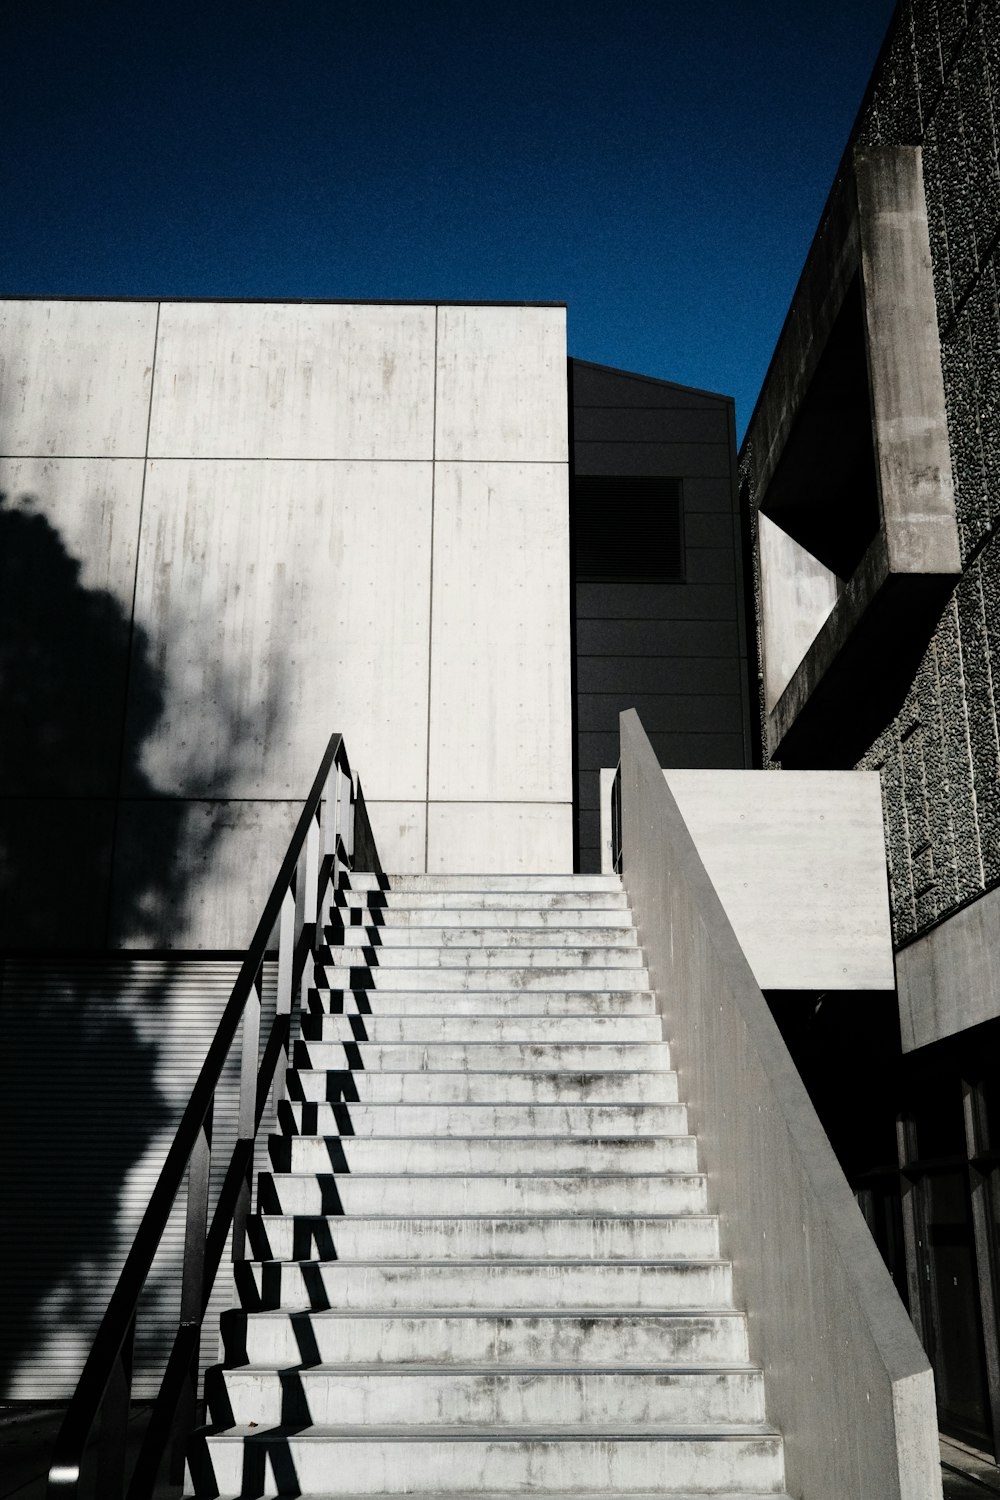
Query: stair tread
(629, 1177)
(548, 1494)
(546, 1261)
(497, 1314)
(586, 1216)
(544, 1432)
(500, 1372)
(617, 1140)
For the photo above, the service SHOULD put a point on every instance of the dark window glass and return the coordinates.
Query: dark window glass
(939, 1119)
(628, 528)
(953, 1292)
(990, 1093)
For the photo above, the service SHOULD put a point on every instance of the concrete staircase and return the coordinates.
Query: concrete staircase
(482, 1262)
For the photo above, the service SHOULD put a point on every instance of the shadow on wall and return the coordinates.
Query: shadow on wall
(84, 1118)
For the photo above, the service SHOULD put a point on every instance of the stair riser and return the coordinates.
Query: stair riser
(486, 956)
(449, 901)
(518, 1466)
(492, 1003)
(286, 1194)
(435, 884)
(412, 1240)
(270, 1339)
(486, 1088)
(691, 1285)
(486, 1119)
(492, 1400)
(511, 978)
(509, 940)
(308, 1154)
(480, 1057)
(447, 918)
(383, 1026)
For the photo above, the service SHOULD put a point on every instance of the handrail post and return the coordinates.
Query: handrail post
(329, 872)
(310, 930)
(246, 1126)
(114, 1422)
(347, 784)
(287, 946)
(193, 1286)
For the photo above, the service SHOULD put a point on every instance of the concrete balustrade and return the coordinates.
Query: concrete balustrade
(848, 1383)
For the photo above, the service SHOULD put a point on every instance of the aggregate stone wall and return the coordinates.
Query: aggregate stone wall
(938, 86)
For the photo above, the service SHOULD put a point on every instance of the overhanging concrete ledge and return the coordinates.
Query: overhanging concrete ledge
(847, 1381)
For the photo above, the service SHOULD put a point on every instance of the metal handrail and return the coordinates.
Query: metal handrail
(332, 825)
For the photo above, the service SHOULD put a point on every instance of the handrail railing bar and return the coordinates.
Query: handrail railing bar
(120, 1314)
(160, 1423)
(114, 1417)
(249, 1062)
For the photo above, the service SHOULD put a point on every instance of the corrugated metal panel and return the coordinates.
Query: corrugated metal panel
(97, 1060)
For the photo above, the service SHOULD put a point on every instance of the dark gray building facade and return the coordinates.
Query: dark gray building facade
(659, 616)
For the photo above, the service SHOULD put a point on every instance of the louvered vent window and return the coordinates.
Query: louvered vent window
(628, 528)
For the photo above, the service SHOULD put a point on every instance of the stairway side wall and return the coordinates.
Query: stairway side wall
(231, 528)
(847, 1381)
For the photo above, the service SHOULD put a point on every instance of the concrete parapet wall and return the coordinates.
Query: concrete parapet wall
(847, 1381)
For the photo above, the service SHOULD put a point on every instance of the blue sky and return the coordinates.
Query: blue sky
(659, 167)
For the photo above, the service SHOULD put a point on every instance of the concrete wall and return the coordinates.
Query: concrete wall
(949, 978)
(797, 596)
(798, 863)
(846, 1380)
(259, 523)
(939, 754)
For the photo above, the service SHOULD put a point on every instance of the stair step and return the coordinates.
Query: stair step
(694, 1285)
(383, 1026)
(363, 1055)
(513, 939)
(471, 882)
(553, 976)
(443, 918)
(463, 1086)
(513, 1120)
(493, 955)
(431, 1193)
(624, 1461)
(507, 1337)
(462, 1396)
(474, 1003)
(550, 1494)
(505, 900)
(482, 1264)
(437, 1153)
(492, 1238)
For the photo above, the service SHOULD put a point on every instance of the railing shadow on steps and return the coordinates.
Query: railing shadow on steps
(333, 834)
(847, 1381)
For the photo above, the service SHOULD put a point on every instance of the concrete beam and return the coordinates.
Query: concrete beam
(909, 421)
(949, 979)
(875, 237)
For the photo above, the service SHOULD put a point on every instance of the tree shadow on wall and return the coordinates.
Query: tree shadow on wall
(72, 1128)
